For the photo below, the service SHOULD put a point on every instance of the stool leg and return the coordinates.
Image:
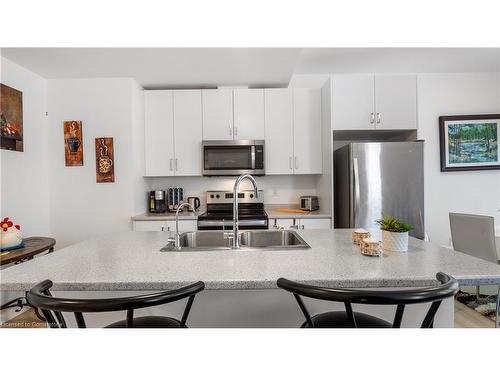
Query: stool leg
(497, 312)
(478, 289)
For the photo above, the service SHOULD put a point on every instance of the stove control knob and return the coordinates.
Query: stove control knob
(217, 196)
(251, 195)
(212, 196)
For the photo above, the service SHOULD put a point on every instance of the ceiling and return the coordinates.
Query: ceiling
(164, 67)
(398, 60)
(253, 67)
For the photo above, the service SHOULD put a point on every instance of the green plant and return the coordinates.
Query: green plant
(393, 224)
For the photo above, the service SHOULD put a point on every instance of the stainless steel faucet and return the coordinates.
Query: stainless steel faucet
(177, 240)
(234, 235)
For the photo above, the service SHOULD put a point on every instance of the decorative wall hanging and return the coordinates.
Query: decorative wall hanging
(73, 143)
(11, 118)
(469, 143)
(105, 169)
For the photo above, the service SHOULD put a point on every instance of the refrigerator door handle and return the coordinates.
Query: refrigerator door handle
(356, 188)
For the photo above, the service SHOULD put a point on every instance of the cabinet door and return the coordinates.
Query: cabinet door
(217, 114)
(159, 133)
(315, 223)
(248, 114)
(307, 131)
(184, 225)
(396, 101)
(187, 132)
(282, 223)
(353, 98)
(279, 131)
(150, 226)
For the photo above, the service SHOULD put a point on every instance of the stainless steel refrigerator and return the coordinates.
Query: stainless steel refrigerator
(375, 178)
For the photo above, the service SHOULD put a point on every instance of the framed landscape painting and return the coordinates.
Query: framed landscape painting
(469, 142)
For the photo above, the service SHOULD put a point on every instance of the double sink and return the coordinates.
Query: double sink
(249, 240)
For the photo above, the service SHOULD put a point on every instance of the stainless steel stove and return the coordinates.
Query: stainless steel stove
(219, 215)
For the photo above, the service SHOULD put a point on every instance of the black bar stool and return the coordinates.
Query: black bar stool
(351, 319)
(52, 307)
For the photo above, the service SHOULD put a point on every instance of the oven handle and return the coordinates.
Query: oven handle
(219, 223)
(253, 157)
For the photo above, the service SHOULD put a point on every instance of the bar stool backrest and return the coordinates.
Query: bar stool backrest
(52, 307)
(436, 294)
(474, 235)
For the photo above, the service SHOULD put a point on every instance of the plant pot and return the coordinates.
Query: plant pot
(395, 241)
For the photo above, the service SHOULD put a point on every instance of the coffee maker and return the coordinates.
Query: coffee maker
(157, 203)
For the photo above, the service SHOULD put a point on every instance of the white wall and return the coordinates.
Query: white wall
(475, 192)
(24, 187)
(81, 207)
(24, 180)
(277, 189)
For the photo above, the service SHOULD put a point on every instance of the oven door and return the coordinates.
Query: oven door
(233, 158)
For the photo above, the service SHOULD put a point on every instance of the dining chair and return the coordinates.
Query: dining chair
(350, 319)
(475, 235)
(52, 307)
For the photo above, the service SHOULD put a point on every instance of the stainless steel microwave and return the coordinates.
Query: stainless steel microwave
(232, 158)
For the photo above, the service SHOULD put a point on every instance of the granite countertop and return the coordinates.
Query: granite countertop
(133, 261)
(272, 213)
(184, 215)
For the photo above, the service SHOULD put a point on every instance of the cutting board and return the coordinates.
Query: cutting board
(292, 211)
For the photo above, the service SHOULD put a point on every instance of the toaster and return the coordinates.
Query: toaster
(309, 203)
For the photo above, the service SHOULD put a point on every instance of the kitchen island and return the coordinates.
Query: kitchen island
(241, 284)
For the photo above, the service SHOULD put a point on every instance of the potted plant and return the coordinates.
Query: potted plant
(394, 233)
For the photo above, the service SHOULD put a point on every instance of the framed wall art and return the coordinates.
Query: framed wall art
(73, 143)
(105, 168)
(469, 142)
(11, 118)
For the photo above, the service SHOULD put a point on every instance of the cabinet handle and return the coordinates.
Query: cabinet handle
(176, 162)
(379, 118)
(302, 226)
(162, 229)
(235, 131)
(372, 118)
(296, 163)
(290, 163)
(171, 160)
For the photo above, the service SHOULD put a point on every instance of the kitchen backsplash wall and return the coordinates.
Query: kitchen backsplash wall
(277, 189)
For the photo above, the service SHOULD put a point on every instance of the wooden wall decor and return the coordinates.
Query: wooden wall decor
(11, 118)
(105, 164)
(73, 143)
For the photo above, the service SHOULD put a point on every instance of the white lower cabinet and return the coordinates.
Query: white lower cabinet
(165, 226)
(301, 223)
(315, 223)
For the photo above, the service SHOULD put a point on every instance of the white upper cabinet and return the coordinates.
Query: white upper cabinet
(307, 131)
(159, 133)
(187, 132)
(279, 131)
(353, 99)
(248, 114)
(396, 101)
(367, 102)
(217, 114)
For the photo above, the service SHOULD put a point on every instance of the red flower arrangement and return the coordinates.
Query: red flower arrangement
(5, 224)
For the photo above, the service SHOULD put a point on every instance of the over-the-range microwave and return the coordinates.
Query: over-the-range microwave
(232, 158)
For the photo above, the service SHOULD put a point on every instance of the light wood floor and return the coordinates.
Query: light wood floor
(469, 318)
(464, 318)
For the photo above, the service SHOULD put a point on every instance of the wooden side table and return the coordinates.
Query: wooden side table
(32, 246)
